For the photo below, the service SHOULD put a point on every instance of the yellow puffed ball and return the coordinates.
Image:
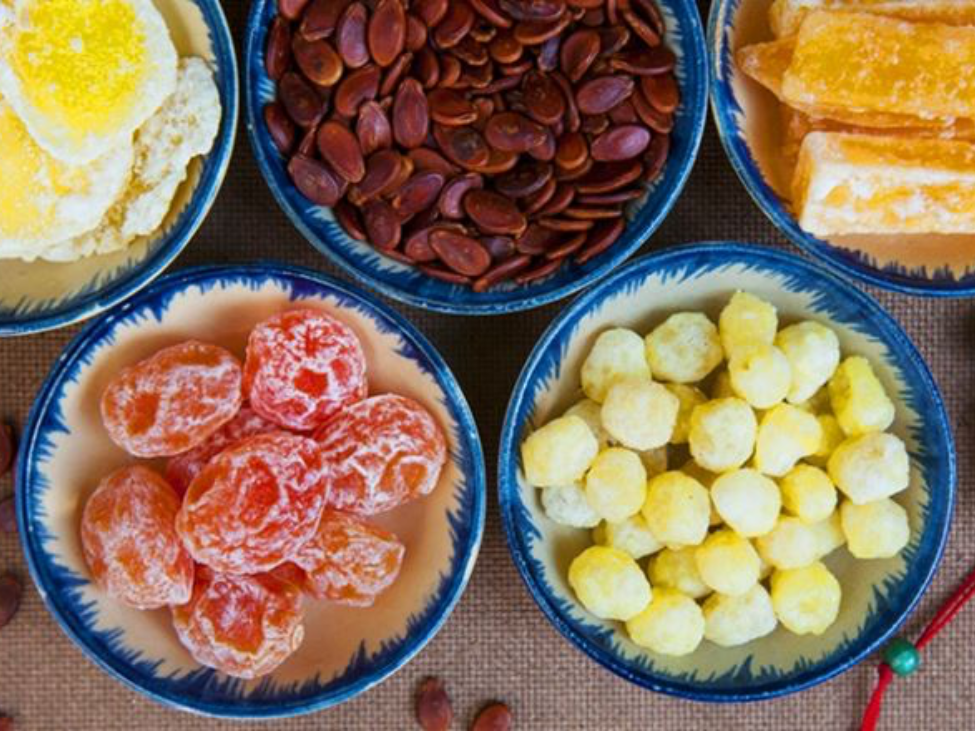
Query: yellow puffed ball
(746, 321)
(813, 352)
(870, 467)
(791, 544)
(806, 600)
(860, 404)
(722, 434)
(829, 534)
(567, 505)
(748, 501)
(730, 621)
(727, 563)
(632, 536)
(684, 349)
(617, 354)
(677, 509)
(616, 484)
(609, 583)
(786, 434)
(559, 453)
(677, 569)
(761, 375)
(639, 413)
(876, 530)
(590, 412)
(690, 398)
(672, 624)
(808, 493)
(832, 437)
(654, 460)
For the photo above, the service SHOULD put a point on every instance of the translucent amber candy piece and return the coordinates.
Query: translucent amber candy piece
(785, 16)
(869, 63)
(767, 63)
(847, 183)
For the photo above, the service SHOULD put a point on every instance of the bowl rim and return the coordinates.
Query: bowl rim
(890, 331)
(176, 282)
(739, 155)
(197, 208)
(697, 58)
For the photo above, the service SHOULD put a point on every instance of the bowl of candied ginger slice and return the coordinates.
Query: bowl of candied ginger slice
(253, 492)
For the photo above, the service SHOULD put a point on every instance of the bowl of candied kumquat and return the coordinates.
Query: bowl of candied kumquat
(252, 492)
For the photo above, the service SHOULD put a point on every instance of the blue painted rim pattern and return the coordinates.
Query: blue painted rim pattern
(520, 531)
(414, 288)
(54, 582)
(98, 298)
(724, 108)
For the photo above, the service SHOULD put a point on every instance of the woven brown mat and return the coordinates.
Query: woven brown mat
(497, 644)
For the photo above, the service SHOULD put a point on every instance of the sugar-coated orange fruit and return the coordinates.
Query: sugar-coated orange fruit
(384, 451)
(302, 367)
(173, 400)
(349, 561)
(255, 503)
(129, 540)
(244, 626)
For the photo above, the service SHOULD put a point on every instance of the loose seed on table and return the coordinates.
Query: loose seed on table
(494, 717)
(8, 516)
(7, 448)
(433, 709)
(10, 596)
(482, 141)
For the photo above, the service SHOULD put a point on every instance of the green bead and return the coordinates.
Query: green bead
(902, 657)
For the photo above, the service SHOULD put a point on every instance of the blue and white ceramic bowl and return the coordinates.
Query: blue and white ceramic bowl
(750, 126)
(877, 595)
(66, 451)
(42, 295)
(404, 283)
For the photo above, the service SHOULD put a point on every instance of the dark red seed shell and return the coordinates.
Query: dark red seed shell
(501, 272)
(278, 56)
(350, 36)
(461, 253)
(386, 33)
(382, 224)
(280, 127)
(340, 149)
(620, 143)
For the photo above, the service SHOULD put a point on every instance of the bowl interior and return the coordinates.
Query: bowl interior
(67, 451)
(392, 278)
(877, 594)
(751, 127)
(41, 295)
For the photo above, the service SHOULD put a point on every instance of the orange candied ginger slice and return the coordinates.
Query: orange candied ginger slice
(244, 626)
(786, 16)
(349, 561)
(302, 366)
(848, 183)
(859, 62)
(255, 503)
(383, 452)
(129, 540)
(173, 400)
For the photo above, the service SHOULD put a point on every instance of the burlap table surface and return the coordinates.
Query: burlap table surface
(497, 644)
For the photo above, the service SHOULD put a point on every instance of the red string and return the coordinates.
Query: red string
(885, 675)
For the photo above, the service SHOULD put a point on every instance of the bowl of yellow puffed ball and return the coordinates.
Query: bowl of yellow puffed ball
(726, 474)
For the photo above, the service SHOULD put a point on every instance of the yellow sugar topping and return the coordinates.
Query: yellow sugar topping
(24, 168)
(82, 62)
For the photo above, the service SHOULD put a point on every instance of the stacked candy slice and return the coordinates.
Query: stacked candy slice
(271, 464)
